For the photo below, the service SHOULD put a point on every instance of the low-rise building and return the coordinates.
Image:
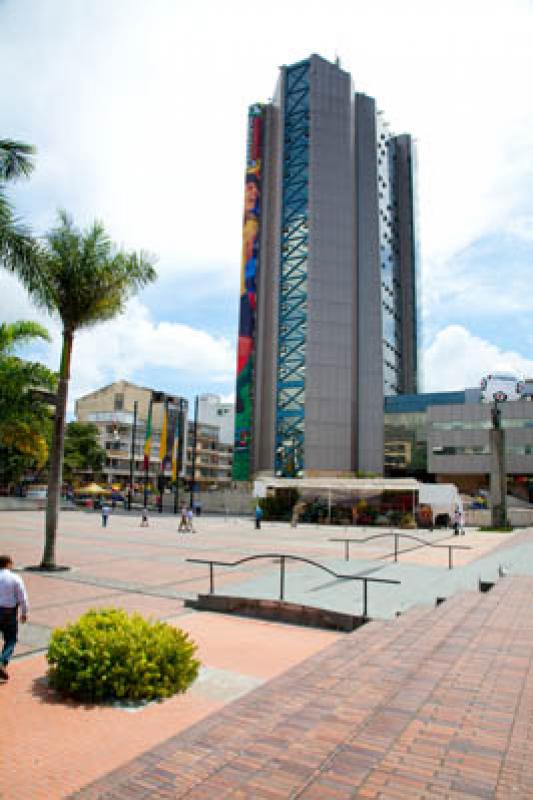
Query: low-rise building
(212, 410)
(122, 434)
(122, 431)
(445, 437)
(213, 458)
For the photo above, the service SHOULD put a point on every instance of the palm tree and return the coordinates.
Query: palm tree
(24, 416)
(18, 250)
(83, 279)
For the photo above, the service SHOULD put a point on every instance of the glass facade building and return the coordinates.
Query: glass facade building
(333, 316)
(446, 437)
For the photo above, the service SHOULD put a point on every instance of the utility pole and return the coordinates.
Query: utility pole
(180, 427)
(132, 451)
(498, 471)
(194, 440)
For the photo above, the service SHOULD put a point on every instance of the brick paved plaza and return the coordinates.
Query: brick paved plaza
(437, 702)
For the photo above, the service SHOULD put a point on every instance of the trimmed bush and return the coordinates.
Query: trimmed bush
(109, 655)
(407, 521)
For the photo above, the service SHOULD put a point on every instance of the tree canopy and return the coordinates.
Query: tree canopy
(83, 452)
(25, 414)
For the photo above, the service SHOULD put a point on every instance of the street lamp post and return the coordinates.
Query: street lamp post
(498, 472)
(132, 451)
(194, 440)
(179, 452)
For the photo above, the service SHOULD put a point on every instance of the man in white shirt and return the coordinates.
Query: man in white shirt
(12, 597)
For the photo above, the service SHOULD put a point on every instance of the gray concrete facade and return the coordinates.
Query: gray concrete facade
(344, 334)
(368, 387)
(329, 403)
(407, 234)
(459, 438)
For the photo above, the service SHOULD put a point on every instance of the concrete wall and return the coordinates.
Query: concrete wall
(227, 502)
(518, 517)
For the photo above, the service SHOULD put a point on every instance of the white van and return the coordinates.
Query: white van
(500, 387)
(442, 499)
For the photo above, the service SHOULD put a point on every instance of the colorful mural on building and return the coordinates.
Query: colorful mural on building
(248, 296)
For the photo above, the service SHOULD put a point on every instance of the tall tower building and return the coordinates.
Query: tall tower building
(328, 311)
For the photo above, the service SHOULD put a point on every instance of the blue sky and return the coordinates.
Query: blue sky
(138, 111)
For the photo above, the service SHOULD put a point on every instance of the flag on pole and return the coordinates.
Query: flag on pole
(163, 442)
(148, 438)
(175, 448)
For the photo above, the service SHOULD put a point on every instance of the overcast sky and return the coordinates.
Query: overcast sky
(138, 110)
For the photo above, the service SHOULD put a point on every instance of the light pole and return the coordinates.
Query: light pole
(498, 472)
(132, 451)
(194, 439)
(180, 427)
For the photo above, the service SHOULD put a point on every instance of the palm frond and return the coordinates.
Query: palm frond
(19, 251)
(20, 333)
(15, 159)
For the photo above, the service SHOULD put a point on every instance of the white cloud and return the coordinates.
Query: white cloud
(457, 359)
(130, 345)
(138, 108)
(140, 111)
(134, 343)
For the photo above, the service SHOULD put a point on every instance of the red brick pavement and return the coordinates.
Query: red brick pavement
(435, 704)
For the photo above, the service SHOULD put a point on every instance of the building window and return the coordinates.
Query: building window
(119, 402)
(461, 450)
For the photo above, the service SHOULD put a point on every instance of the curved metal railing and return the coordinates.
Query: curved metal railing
(283, 557)
(397, 536)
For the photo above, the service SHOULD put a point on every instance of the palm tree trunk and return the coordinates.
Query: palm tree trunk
(56, 455)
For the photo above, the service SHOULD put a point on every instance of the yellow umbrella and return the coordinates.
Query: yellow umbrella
(92, 488)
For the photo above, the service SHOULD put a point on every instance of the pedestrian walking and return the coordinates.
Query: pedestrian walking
(458, 522)
(12, 598)
(182, 528)
(144, 518)
(190, 518)
(258, 515)
(105, 515)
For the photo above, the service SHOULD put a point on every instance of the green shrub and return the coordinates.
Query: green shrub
(109, 655)
(279, 507)
(497, 529)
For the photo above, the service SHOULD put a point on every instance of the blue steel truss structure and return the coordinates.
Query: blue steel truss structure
(290, 405)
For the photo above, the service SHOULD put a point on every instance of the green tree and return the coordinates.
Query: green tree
(18, 249)
(83, 452)
(25, 418)
(83, 279)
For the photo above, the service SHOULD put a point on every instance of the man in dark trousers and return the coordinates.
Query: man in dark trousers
(12, 597)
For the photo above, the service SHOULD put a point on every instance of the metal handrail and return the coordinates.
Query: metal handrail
(397, 536)
(282, 558)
